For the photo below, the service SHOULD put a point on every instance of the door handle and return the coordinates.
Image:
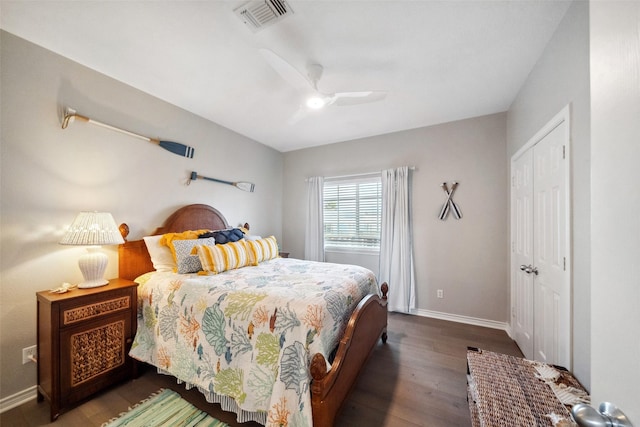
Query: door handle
(526, 268)
(529, 269)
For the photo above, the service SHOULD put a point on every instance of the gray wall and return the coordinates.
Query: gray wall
(615, 215)
(49, 174)
(467, 259)
(561, 77)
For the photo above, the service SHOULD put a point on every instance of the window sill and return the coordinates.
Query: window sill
(355, 251)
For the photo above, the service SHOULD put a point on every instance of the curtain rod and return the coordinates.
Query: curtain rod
(355, 175)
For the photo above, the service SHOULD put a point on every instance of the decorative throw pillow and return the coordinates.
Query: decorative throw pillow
(188, 263)
(218, 258)
(262, 249)
(161, 256)
(224, 236)
(168, 238)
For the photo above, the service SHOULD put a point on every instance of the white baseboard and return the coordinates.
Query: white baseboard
(18, 399)
(510, 332)
(462, 319)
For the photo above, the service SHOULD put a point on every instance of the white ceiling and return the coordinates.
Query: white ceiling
(439, 61)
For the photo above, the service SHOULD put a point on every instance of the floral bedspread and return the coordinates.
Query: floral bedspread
(249, 334)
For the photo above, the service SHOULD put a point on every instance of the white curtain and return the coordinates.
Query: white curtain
(396, 249)
(314, 230)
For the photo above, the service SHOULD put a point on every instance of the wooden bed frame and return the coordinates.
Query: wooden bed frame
(367, 323)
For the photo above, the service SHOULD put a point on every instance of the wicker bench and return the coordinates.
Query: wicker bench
(510, 391)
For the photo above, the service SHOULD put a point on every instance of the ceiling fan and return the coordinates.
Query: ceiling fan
(309, 84)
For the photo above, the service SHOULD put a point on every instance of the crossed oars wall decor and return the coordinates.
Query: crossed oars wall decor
(449, 204)
(174, 147)
(244, 186)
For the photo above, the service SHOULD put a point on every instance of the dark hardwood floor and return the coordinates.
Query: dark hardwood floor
(417, 379)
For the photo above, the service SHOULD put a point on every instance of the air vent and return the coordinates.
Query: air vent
(262, 13)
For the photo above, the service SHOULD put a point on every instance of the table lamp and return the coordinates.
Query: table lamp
(93, 229)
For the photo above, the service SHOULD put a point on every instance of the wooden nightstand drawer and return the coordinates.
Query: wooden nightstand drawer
(90, 311)
(84, 337)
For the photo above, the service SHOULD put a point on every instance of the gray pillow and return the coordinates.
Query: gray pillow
(186, 262)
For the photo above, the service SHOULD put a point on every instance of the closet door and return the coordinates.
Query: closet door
(540, 275)
(522, 252)
(552, 297)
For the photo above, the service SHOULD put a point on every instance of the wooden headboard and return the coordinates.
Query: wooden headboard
(133, 256)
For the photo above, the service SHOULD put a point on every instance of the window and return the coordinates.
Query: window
(352, 213)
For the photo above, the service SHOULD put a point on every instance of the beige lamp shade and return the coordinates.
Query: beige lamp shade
(93, 229)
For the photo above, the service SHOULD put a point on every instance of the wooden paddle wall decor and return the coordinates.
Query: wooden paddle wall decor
(174, 147)
(449, 204)
(244, 186)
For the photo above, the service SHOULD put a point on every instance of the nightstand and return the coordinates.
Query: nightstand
(283, 254)
(84, 337)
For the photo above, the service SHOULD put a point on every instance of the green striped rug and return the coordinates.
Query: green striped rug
(164, 408)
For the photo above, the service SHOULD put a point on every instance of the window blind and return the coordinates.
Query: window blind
(352, 212)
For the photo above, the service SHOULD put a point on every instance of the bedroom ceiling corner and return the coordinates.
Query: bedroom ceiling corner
(435, 61)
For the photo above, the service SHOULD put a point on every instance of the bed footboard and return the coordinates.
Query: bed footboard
(329, 389)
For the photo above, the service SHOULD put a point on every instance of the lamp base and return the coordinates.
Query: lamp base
(93, 264)
(93, 283)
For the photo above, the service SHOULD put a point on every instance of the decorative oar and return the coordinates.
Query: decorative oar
(454, 207)
(244, 186)
(444, 211)
(174, 147)
(449, 202)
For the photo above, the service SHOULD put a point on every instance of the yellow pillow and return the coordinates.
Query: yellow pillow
(262, 249)
(167, 239)
(218, 258)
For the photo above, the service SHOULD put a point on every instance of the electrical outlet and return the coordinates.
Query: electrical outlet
(29, 352)
(440, 293)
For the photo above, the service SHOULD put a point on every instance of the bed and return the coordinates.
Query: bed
(304, 355)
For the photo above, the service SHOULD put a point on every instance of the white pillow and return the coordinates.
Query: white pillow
(161, 256)
(250, 237)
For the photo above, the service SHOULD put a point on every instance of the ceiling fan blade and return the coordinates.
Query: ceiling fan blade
(300, 114)
(287, 71)
(355, 98)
